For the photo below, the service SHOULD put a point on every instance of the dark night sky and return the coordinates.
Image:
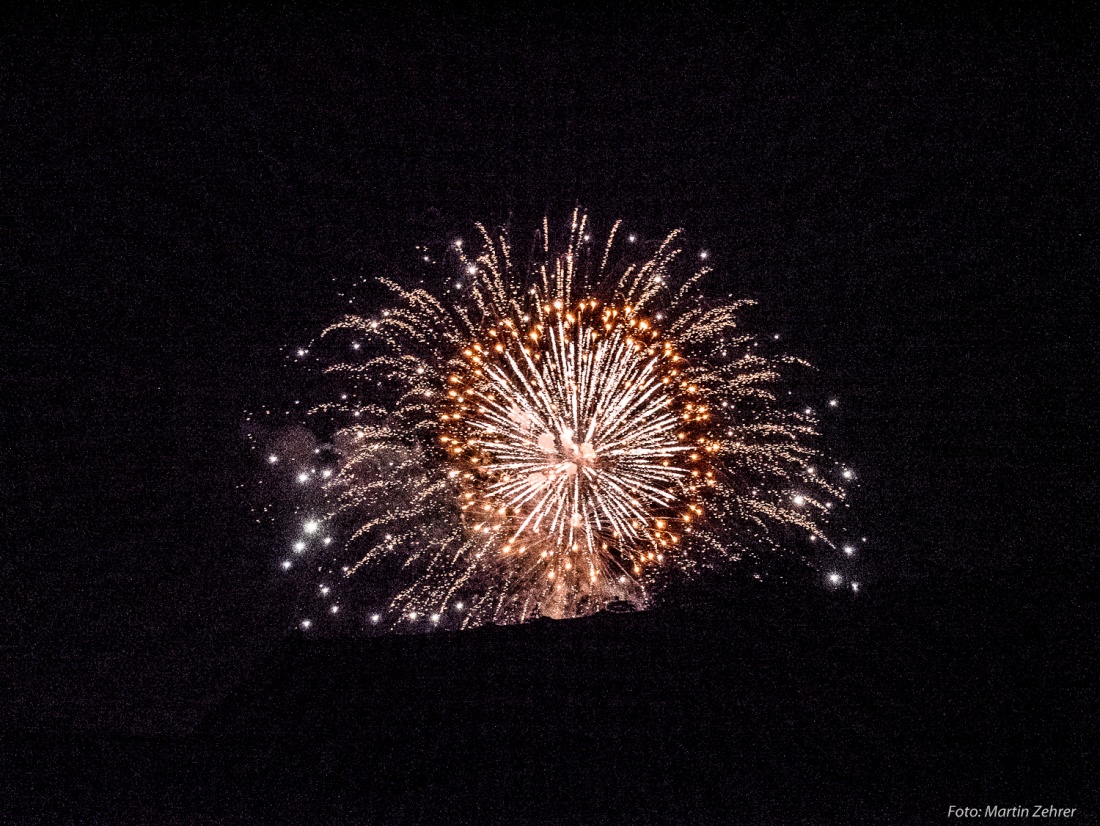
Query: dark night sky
(912, 199)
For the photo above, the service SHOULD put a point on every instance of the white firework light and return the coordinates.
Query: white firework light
(561, 433)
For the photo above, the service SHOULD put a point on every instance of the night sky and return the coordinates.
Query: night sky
(911, 199)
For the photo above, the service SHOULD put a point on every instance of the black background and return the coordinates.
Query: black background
(911, 199)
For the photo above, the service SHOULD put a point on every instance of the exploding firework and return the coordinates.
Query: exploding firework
(560, 434)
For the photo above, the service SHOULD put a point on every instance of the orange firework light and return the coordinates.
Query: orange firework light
(580, 447)
(561, 433)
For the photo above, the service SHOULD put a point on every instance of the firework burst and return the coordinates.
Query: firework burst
(559, 435)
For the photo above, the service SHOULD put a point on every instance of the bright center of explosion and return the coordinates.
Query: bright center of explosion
(570, 439)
